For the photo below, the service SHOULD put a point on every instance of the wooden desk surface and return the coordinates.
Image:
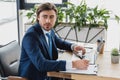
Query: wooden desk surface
(106, 70)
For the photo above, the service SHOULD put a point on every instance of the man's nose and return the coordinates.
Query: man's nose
(48, 20)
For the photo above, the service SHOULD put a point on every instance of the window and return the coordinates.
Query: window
(8, 21)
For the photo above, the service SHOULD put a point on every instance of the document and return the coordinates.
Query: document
(92, 70)
(90, 55)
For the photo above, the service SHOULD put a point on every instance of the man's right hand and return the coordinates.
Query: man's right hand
(80, 64)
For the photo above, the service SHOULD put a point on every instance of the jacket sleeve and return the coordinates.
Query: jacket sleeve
(62, 44)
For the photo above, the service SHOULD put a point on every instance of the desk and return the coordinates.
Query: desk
(106, 70)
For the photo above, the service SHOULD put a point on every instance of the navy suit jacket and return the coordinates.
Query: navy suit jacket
(35, 60)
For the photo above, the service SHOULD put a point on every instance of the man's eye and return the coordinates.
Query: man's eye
(45, 16)
(51, 17)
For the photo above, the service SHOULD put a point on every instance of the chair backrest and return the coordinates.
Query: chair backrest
(9, 58)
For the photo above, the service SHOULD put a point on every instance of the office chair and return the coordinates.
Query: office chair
(9, 58)
(9, 61)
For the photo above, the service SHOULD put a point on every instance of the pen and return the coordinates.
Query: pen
(81, 57)
(89, 47)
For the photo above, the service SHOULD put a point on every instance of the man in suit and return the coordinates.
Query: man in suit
(36, 58)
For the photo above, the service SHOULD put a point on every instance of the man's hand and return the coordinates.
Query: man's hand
(79, 48)
(80, 64)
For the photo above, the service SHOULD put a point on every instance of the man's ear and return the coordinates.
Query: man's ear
(56, 17)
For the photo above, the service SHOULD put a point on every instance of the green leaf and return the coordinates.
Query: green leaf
(117, 18)
(115, 52)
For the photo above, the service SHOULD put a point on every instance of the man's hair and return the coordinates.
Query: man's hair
(45, 6)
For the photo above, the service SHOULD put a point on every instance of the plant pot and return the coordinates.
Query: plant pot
(114, 59)
(67, 32)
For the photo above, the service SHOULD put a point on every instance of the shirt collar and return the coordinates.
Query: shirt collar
(45, 32)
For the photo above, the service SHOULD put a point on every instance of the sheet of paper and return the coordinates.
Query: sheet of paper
(88, 56)
(92, 69)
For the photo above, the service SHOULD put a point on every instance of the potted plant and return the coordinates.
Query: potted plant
(82, 15)
(115, 56)
(74, 18)
(31, 14)
(85, 18)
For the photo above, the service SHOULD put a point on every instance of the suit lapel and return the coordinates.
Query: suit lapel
(42, 38)
(44, 42)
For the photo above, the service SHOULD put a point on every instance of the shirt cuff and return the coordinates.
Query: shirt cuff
(72, 46)
(68, 65)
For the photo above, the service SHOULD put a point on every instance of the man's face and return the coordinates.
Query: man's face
(47, 19)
